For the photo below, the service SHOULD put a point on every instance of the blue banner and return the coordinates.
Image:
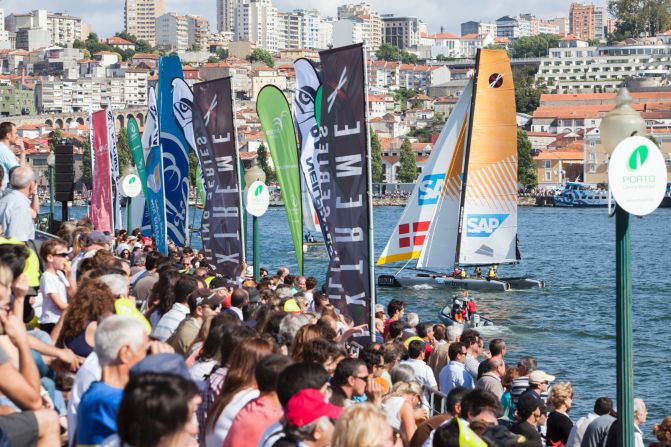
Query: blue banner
(175, 153)
(155, 207)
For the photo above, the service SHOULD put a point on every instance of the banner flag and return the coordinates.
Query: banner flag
(275, 116)
(174, 153)
(101, 194)
(116, 171)
(154, 169)
(304, 110)
(182, 98)
(221, 228)
(135, 145)
(344, 161)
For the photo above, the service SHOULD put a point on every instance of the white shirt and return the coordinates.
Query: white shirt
(202, 368)
(638, 437)
(578, 430)
(454, 374)
(89, 372)
(217, 437)
(423, 375)
(169, 322)
(52, 283)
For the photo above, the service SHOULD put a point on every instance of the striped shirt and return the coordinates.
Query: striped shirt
(168, 323)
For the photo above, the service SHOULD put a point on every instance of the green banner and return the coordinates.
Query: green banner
(275, 116)
(135, 145)
(200, 190)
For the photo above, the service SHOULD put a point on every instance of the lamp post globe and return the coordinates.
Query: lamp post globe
(620, 123)
(252, 174)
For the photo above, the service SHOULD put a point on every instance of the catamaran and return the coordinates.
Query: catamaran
(463, 209)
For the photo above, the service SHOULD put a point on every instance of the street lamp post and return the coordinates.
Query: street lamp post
(51, 164)
(620, 123)
(252, 174)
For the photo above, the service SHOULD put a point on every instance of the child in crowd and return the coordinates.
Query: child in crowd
(57, 284)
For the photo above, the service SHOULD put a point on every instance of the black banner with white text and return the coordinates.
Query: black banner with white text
(221, 226)
(344, 180)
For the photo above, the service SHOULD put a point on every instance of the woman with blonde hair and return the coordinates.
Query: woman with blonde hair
(362, 425)
(403, 407)
(559, 425)
(662, 432)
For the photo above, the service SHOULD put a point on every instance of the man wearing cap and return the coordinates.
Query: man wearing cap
(202, 303)
(539, 382)
(309, 419)
(529, 411)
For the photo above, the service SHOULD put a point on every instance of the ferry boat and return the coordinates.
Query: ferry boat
(577, 195)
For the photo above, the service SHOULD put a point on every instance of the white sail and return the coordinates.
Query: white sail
(409, 236)
(489, 215)
(441, 243)
(310, 220)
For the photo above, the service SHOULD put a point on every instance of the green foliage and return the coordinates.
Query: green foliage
(196, 47)
(222, 54)
(526, 167)
(141, 46)
(533, 46)
(407, 172)
(86, 163)
(262, 55)
(262, 157)
(402, 96)
(438, 119)
(123, 151)
(639, 17)
(93, 45)
(376, 158)
(388, 52)
(212, 60)
(442, 57)
(422, 135)
(193, 166)
(527, 92)
(54, 138)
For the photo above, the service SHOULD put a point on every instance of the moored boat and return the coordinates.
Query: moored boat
(581, 195)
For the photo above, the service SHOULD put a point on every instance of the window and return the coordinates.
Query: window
(548, 176)
(547, 164)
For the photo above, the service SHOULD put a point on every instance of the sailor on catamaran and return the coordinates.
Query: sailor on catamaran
(477, 272)
(491, 274)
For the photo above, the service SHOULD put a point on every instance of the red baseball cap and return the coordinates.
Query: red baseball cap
(307, 406)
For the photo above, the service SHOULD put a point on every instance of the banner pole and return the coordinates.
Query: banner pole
(243, 208)
(369, 173)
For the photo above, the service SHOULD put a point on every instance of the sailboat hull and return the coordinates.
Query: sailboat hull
(425, 279)
(524, 283)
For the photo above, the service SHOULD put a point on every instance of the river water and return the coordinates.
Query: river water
(568, 326)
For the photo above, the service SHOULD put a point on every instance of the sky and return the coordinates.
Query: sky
(106, 16)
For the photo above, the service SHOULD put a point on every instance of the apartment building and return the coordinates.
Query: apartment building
(198, 31)
(63, 28)
(372, 22)
(299, 28)
(140, 18)
(403, 32)
(256, 21)
(172, 32)
(478, 28)
(581, 19)
(577, 67)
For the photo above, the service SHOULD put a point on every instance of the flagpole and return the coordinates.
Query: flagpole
(240, 176)
(369, 173)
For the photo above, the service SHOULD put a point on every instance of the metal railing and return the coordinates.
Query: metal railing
(437, 402)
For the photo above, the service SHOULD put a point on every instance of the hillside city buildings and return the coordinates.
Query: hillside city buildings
(48, 80)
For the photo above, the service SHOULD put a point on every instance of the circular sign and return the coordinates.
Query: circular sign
(637, 175)
(258, 198)
(131, 185)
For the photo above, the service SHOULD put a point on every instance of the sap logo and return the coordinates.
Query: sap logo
(429, 189)
(483, 225)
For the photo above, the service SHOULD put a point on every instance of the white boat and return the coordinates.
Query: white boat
(463, 209)
(581, 195)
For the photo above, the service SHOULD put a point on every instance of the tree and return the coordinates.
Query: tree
(639, 17)
(407, 172)
(389, 52)
(123, 151)
(55, 137)
(262, 55)
(212, 60)
(527, 91)
(526, 166)
(193, 167)
(533, 46)
(376, 158)
(196, 47)
(86, 163)
(402, 96)
(222, 54)
(262, 157)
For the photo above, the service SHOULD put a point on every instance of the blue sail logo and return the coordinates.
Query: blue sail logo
(429, 189)
(483, 225)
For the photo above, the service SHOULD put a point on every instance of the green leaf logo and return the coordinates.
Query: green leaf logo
(131, 180)
(258, 190)
(638, 157)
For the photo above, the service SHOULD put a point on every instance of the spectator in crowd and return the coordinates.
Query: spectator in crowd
(495, 369)
(529, 412)
(202, 303)
(19, 205)
(454, 374)
(362, 425)
(168, 323)
(57, 284)
(603, 405)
